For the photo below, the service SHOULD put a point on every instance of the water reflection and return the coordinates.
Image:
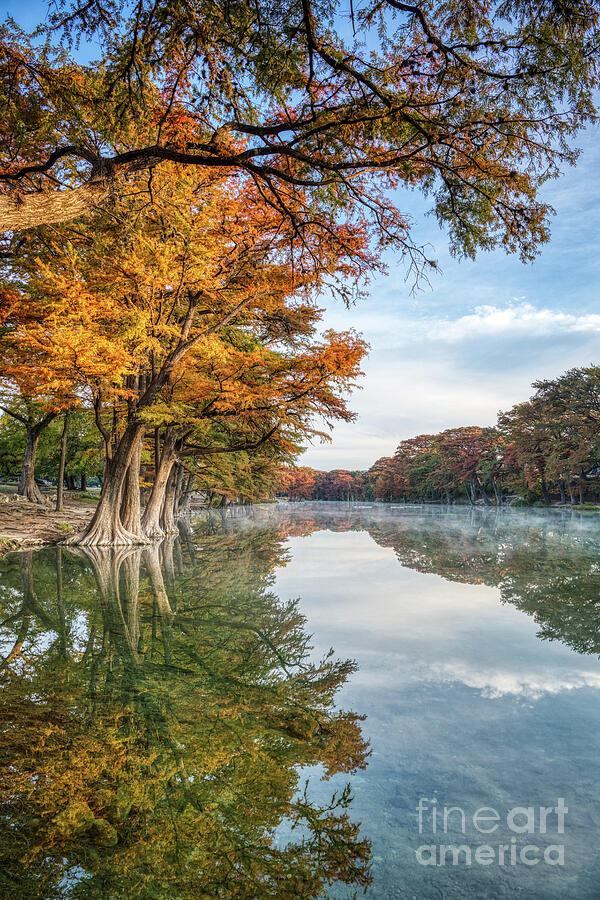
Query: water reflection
(158, 707)
(444, 611)
(163, 706)
(548, 566)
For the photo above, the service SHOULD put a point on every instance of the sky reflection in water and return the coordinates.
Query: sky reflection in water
(466, 626)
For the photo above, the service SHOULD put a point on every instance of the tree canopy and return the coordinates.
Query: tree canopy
(327, 110)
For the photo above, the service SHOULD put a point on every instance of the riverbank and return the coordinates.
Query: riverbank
(24, 524)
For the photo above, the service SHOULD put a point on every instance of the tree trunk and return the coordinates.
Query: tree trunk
(497, 493)
(83, 481)
(468, 486)
(152, 514)
(179, 477)
(480, 487)
(156, 450)
(60, 487)
(545, 494)
(27, 486)
(571, 494)
(167, 516)
(19, 210)
(563, 496)
(106, 528)
(131, 516)
(185, 501)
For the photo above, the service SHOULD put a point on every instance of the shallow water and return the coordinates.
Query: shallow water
(173, 694)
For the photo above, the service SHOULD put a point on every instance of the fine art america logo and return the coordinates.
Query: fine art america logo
(440, 823)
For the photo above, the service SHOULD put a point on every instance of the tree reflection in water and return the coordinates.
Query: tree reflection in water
(158, 706)
(545, 565)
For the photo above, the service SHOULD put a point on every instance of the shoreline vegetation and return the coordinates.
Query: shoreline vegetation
(26, 525)
(543, 452)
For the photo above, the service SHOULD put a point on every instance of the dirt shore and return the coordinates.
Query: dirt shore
(24, 524)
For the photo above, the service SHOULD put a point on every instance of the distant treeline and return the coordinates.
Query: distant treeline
(545, 450)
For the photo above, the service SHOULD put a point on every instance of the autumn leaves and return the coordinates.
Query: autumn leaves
(171, 211)
(186, 328)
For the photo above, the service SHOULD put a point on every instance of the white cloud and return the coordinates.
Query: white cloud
(519, 319)
(475, 342)
(427, 373)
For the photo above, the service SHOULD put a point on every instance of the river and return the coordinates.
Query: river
(303, 700)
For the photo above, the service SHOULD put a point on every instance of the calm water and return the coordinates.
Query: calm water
(174, 724)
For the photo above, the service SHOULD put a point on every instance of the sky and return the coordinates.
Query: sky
(471, 343)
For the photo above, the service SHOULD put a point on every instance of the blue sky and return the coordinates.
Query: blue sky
(472, 343)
